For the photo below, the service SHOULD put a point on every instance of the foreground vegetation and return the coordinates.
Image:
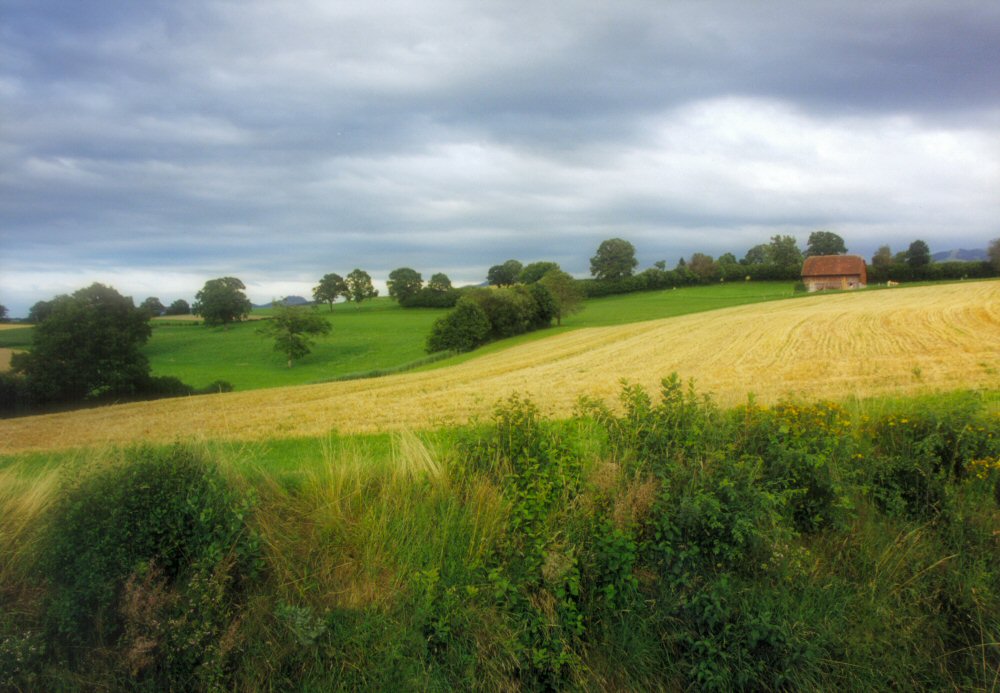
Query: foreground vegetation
(669, 545)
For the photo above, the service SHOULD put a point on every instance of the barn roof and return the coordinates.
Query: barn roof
(837, 265)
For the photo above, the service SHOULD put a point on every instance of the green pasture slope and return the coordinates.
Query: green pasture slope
(379, 335)
(375, 335)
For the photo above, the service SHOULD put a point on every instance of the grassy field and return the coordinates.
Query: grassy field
(826, 346)
(379, 335)
(376, 335)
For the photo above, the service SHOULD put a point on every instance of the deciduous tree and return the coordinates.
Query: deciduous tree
(359, 286)
(882, 258)
(330, 288)
(3, 313)
(87, 345)
(615, 259)
(784, 252)
(918, 254)
(153, 306)
(993, 252)
(703, 266)
(534, 271)
(757, 255)
(565, 291)
(505, 274)
(462, 329)
(222, 301)
(39, 311)
(179, 307)
(825, 243)
(439, 282)
(292, 328)
(404, 283)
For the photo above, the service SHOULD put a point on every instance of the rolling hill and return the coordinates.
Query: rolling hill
(827, 346)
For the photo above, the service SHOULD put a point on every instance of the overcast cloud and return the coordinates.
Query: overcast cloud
(154, 145)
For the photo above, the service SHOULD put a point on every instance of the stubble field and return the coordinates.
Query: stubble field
(900, 341)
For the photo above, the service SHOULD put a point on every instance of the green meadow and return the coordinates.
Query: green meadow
(378, 335)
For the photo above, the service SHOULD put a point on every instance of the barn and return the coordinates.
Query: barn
(821, 272)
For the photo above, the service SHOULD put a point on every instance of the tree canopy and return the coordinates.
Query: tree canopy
(993, 252)
(462, 329)
(918, 254)
(565, 291)
(359, 286)
(882, 258)
(153, 306)
(292, 328)
(784, 252)
(3, 313)
(39, 311)
(505, 274)
(331, 287)
(87, 345)
(404, 283)
(615, 259)
(702, 266)
(178, 307)
(222, 301)
(534, 271)
(439, 282)
(825, 243)
(757, 255)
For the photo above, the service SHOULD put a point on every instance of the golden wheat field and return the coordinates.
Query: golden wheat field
(897, 341)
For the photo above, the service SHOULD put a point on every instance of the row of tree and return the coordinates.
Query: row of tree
(87, 346)
(483, 315)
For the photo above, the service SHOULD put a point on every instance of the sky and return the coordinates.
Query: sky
(155, 145)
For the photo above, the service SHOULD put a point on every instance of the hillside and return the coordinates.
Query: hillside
(899, 341)
(960, 255)
(380, 335)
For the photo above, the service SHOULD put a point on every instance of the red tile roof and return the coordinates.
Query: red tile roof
(834, 265)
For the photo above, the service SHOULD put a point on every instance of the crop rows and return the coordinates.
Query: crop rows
(897, 341)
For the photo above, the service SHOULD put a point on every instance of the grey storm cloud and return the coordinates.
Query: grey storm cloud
(164, 143)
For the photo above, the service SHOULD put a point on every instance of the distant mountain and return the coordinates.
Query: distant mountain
(962, 255)
(288, 301)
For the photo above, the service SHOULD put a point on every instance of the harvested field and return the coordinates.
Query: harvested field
(827, 346)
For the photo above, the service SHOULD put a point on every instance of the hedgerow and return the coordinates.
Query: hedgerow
(657, 542)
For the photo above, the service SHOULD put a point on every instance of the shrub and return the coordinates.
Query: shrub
(463, 329)
(15, 394)
(534, 578)
(921, 454)
(799, 447)
(428, 297)
(152, 555)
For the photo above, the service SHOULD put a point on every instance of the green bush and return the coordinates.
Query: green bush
(149, 555)
(463, 329)
(800, 448)
(681, 425)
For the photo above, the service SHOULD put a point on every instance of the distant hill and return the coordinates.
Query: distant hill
(288, 301)
(961, 255)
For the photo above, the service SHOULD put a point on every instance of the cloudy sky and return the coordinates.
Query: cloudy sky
(153, 145)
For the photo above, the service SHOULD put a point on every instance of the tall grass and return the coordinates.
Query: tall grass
(663, 543)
